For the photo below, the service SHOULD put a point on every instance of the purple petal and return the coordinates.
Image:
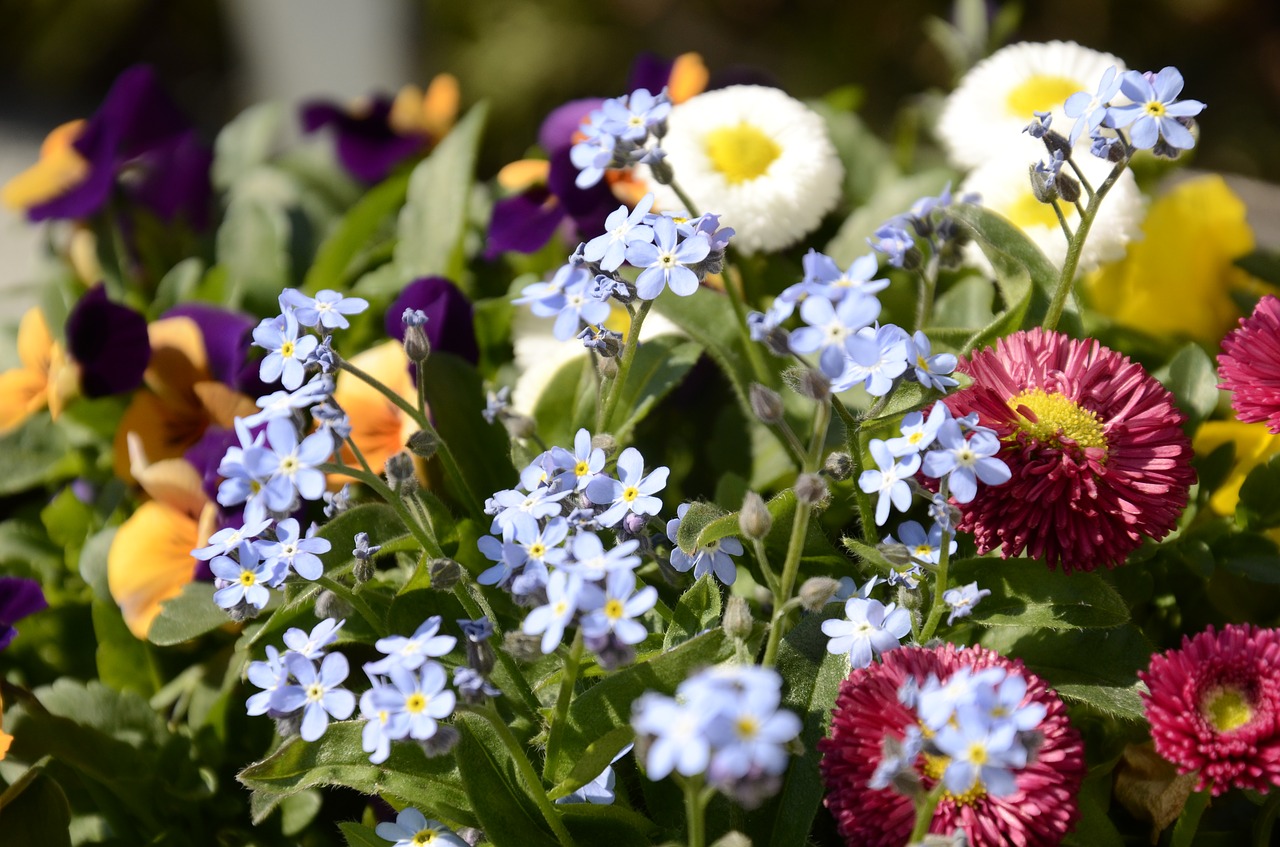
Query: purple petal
(649, 71)
(175, 180)
(559, 127)
(225, 335)
(523, 223)
(110, 343)
(366, 145)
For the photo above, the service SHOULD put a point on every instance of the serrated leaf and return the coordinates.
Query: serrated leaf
(431, 784)
(434, 218)
(189, 615)
(596, 714)
(354, 232)
(1024, 594)
(697, 610)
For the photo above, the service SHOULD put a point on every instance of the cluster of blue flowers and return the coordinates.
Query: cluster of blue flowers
(870, 628)
(1154, 116)
(928, 219)
(668, 250)
(274, 465)
(547, 551)
(623, 132)
(724, 722)
(839, 309)
(976, 723)
(295, 690)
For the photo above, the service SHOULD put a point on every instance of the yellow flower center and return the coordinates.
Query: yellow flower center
(247, 579)
(315, 692)
(613, 610)
(977, 754)
(1040, 93)
(747, 726)
(630, 493)
(415, 702)
(1052, 418)
(286, 349)
(935, 766)
(426, 836)
(537, 550)
(1154, 108)
(581, 469)
(1227, 709)
(741, 153)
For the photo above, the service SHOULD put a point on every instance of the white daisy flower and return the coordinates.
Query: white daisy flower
(760, 159)
(1005, 188)
(997, 98)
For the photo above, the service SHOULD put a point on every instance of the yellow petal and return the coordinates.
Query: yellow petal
(59, 169)
(222, 403)
(440, 106)
(174, 482)
(1177, 280)
(150, 561)
(35, 342)
(378, 427)
(22, 394)
(1254, 445)
(5, 738)
(64, 380)
(688, 77)
(406, 111)
(178, 359)
(524, 174)
(165, 430)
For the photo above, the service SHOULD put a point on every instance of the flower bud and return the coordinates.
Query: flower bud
(521, 647)
(445, 573)
(1068, 188)
(604, 441)
(401, 475)
(813, 384)
(1043, 184)
(662, 172)
(896, 554)
(810, 489)
(330, 605)
(1056, 142)
(839, 466)
(816, 591)
(423, 444)
(733, 839)
(416, 345)
(754, 520)
(737, 621)
(608, 367)
(766, 404)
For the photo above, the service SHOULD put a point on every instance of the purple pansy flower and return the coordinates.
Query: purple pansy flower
(367, 146)
(109, 342)
(19, 597)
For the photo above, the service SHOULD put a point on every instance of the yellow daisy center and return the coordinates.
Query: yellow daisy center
(613, 610)
(415, 702)
(630, 493)
(1049, 418)
(1154, 108)
(741, 153)
(1227, 709)
(1040, 93)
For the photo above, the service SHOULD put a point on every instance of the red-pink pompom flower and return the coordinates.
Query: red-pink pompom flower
(1249, 365)
(1039, 813)
(1214, 707)
(1095, 445)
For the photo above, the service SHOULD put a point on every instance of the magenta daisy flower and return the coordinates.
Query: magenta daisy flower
(1040, 811)
(1249, 365)
(1094, 443)
(1213, 707)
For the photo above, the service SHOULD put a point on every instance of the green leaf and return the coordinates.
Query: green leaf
(434, 218)
(1259, 507)
(697, 518)
(1193, 380)
(35, 812)
(1097, 667)
(455, 393)
(965, 305)
(1005, 323)
(1095, 827)
(1025, 594)
(354, 233)
(124, 662)
(506, 813)
(26, 542)
(297, 811)
(35, 454)
(659, 366)
(867, 160)
(813, 678)
(567, 403)
(245, 143)
(253, 249)
(698, 609)
(1264, 264)
(189, 615)
(358, 835)
(177, 286)
(614, 825)
(596, 714)
(432, 784)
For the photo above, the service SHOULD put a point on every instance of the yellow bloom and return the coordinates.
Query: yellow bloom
(431, 114)
(46, 378)
(59, 169)
(379, 427)
(1254, 446)
(1177, 280)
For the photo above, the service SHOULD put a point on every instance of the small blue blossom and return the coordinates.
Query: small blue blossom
(514, 505)
(565, 595)
(875, 359)
(327, 309)
(227, 539)
(600, 790)
(421, 697)
(410, 653)
(964, 462)
(416, 318)
(871, 629)
(244, 581)
(381, 727)
(917, 431)
(317, 693)
(678, 733)
(588, 559)
(932, 370)
(830, 327)
(1154, 112)
(898, 759)
(550, 294)
(286, 351)
(272, 676)
(889, 480)
(472, 685)
(581, 466)
(823, 277)
(1039, 127)
(291, 465)
(924, 547)
(622, 605)
(622, 228)
(982, 756)
(412, 829)
(572, 309)
(311, 645)
(714, 558)
(497, 403)
(292, 551)
(634, 116)
(665, 262)
(281, 404)
(1090, 111)
(633, 492)
(894, 241)
(961, 600)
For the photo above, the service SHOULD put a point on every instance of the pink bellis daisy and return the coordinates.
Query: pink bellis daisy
(1213, 707)
(1039, 812)
(1249, 365)
(1094, 443)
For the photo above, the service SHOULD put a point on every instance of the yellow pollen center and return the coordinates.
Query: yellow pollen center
(923, 551)
(247, 579)
(581, 469)
(288, 465)
(741, 153)
(383, 716)
(537, 550)
(613, 609)
(315, 692)
(415, 702)
(1040, 93)
(1227, 709)
(1154, 108)
(630, 493)
(286, 349)
(977, 754)
(935, 766)
(1055, 418)
(747, 726)
(426, 836)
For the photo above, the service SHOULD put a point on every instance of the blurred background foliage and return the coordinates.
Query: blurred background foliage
(57, 57)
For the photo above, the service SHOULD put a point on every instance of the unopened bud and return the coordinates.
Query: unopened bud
(289, 725)
(521, 647)
(1043, 184)
(423, 444)
(445, 573)
(1068, 188)
(1056, 142)
(896, 554)
(737, 618)
(814, 385)
(363, 571)
(401, 473)
(608, 367)
(442, 742)
(604, 441)
(416, 345)
(816, 591)
(766, 403)
(330, 605)
(810, 489)
(733, 839)
(662, 172)
(754, 520)
(839, 466)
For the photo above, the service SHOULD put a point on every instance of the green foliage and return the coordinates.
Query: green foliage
(699, 609)
(1193, 380)
(35, 811)
(1259, 508)
(35, 454)
(353, 238)
(1025, 594)
(189, 615)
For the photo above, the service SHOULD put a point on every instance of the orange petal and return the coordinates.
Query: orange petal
(178, 359)
(35, 342)
(59, 169)
(689, 77)
(64, 380)
(5, 738)
(440, 106)
(174, 482)
(524, 174)
(165, 430)
(150, 561)
(378, 427)
(223, 404)
(406, 111)
(22, 394)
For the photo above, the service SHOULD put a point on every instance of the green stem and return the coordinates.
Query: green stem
(624, 364)
(477, 608)
(762, 556)
(358, 602)
(928, 286)
(736, 289)
(940, 581)
(369, 478)
(1263, 823)
(1084, 180)
(853, 444)
(1067, 281)
(1062, 220)
(695, 810)
(528, 775)
(568, 677)
(1184, 831)
(924, 813)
